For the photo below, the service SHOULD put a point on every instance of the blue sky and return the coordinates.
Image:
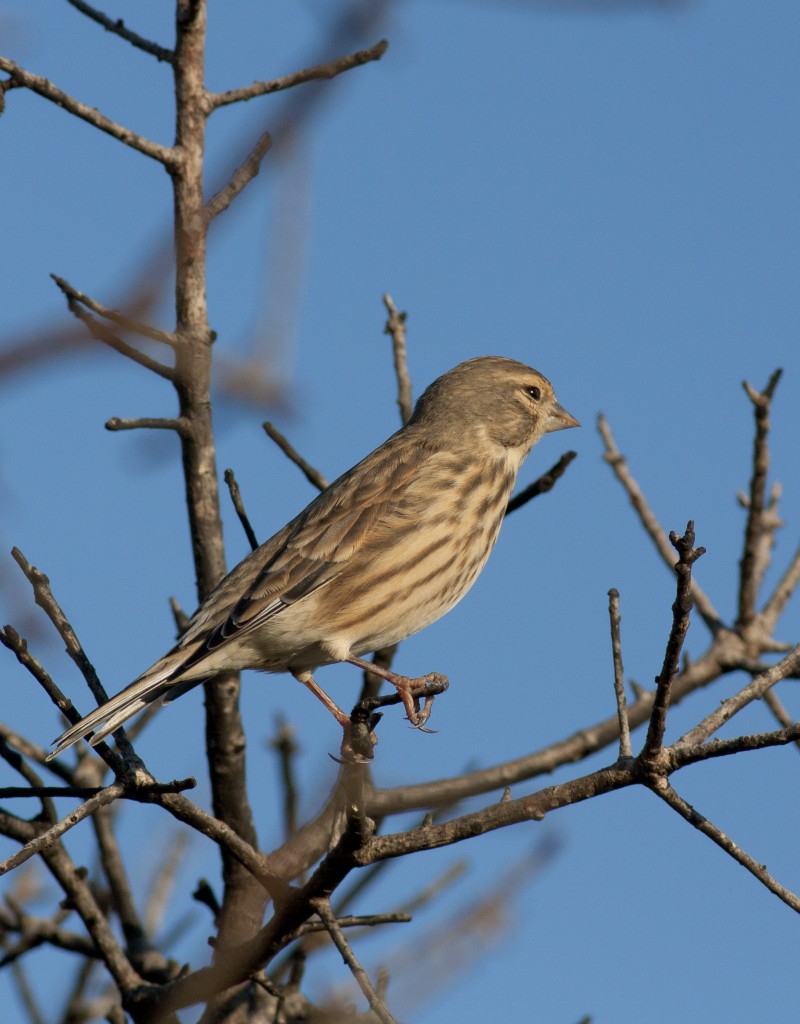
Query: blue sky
(609, 195)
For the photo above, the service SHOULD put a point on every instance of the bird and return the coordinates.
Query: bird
(384, 551)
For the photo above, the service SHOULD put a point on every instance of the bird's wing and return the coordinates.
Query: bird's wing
(308, 552)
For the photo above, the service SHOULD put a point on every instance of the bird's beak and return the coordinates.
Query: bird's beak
(560, 419)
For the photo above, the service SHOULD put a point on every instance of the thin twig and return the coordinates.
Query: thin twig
(179, 425)
(619, 675)
(312, 475)
(168, 866)
(128, 323)
(18, 646)
(681, 609)
(754, 690)
(546, 482)
(285, 745)
(108, 337)
(27, 994)
(681, 754)
(52, 834)
(238, 504)
(33, 751)
(355, 921)
(44, 598)
(179, 616)
(45, 88)
(771, 522)
(396, 328)
(787, 585)
(428, 893)
(619, 465)
(85, 792)
(376, 1004)
(774, 703)
(330, 69)
(10, 639)
(716, 835)
(17, 762)
(121, 899)
(117, 27)
(36, 931)
(240, 178)
(748, 577)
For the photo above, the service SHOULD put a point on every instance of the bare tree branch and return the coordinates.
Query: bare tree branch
(716, 835)
(122, 320)
(102, 333)
(330, 69)
(118, 28)
(619, 465)
(753, 691)
(376, 1004)
(396, 329)
(681, 608)
(787, 585)
(748, 575)
(619, 675)
(238, 504)
(45, 88)
(286, 747)
(546, 482)
(240, 178)
(312, 475)
(46, 601)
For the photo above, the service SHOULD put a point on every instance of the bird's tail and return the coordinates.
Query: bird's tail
(110, 716)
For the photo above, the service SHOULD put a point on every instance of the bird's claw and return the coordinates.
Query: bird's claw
(358, 739)
(418, 716)
(351, 758)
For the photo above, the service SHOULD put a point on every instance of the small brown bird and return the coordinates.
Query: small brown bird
(386, 550)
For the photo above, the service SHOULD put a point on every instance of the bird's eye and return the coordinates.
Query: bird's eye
(534, 392)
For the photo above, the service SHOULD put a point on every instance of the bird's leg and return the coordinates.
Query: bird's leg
(348, 751)
(407, 689)
(308, 680)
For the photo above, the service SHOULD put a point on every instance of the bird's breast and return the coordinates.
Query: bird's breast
(430, 548)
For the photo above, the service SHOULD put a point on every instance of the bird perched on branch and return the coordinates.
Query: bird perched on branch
(386, 550)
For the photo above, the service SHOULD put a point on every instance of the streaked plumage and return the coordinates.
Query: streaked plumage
(386, 550)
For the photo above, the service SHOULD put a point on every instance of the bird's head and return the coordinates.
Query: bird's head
(492, 399)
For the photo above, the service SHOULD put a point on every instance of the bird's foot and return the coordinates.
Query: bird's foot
(413, 691)
(358, 740)
(410, 691)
